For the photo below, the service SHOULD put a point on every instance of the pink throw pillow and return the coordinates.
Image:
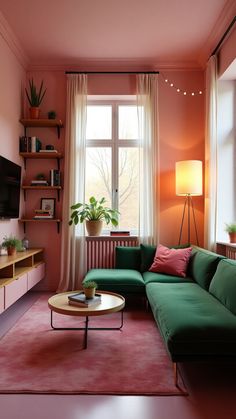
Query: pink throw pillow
(171, 261)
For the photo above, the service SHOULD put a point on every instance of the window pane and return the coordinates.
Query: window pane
(128, 122)
(99, 122)
(128, 188)
(98, 173)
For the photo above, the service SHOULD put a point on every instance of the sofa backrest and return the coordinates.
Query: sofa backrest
(223, 284)
(128, 257)
(202, 266)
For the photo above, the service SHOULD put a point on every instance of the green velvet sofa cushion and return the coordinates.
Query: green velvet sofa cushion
(223, 284)
(117, 280)
(193, 323)
(159, 277)
(202, 266)
(127, 257)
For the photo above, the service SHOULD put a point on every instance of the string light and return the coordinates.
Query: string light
(178, 90)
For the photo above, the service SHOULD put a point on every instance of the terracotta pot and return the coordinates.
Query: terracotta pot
(34, 112)
(11, 251)
(94, 228)
(232, 237)
(89, 292)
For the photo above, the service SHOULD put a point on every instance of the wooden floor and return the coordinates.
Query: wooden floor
(212, 393)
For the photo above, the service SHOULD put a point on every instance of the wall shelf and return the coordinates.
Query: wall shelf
(38, 188)
(42, 123)
(47, 220)
(43, 155)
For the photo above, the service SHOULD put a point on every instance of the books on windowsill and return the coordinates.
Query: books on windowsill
(120, 233)
(80, 300)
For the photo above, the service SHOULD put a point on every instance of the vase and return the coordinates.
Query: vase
(94, 228)
(34, 112)
(11, 251)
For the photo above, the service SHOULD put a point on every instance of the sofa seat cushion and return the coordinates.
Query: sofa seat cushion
(192, 322)
(117, 280)
(157, 277)
(202, 266)
(223, 284)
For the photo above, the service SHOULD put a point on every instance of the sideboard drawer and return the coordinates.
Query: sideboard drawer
(1, 299)
(36, 275)
(15, 290)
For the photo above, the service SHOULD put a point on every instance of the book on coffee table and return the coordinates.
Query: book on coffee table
(80, 300)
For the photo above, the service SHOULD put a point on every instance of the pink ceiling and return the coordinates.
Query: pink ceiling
(151, 32)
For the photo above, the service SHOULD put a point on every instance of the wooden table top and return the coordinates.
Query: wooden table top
(110, 303)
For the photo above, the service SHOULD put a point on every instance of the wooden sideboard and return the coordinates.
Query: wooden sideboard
(18, 274)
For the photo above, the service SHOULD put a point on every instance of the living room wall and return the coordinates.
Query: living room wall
(12, 79)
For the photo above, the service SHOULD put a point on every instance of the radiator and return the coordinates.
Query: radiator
(100, 251)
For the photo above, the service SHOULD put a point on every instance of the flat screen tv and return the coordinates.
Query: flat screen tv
(10, 181)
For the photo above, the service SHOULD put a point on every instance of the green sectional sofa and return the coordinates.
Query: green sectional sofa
(196, 315)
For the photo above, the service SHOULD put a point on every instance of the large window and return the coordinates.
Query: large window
(112, 158)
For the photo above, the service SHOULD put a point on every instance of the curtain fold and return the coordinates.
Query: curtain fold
(147, 105)
(210, 215)
(73, 257)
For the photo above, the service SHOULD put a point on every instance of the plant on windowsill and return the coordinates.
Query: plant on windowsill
(35, 98)
(12, 244)
(93, 213)
(231, 230)
(89, 289)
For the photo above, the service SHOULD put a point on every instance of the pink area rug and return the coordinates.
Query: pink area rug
(36, 359)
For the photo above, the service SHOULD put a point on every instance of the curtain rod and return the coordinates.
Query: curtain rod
(224, 36)
(112, 72)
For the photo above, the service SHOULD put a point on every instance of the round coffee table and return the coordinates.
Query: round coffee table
(110, 303)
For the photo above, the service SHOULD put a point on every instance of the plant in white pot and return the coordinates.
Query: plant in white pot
(93, 213)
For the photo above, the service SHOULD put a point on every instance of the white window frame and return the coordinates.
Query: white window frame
(115, 143)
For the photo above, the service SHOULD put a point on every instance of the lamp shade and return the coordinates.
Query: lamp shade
(188, 177)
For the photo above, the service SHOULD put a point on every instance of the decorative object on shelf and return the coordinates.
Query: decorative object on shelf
(188, 183)
(40, 176)
(12, 244)
(35, 98)
(49, 204)
(231, 230)
(49, 147)
(93, 213)
(55, 177)
(25, 243)
(52, 115)
(89, 288)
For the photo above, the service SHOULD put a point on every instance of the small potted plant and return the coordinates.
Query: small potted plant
(231, 230)
(89, 288)
(35, 98)
(12, 244)
(93, 213)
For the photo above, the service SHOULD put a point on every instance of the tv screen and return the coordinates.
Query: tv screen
(10, 181)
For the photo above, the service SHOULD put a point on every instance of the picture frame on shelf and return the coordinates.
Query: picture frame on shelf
(49, 204)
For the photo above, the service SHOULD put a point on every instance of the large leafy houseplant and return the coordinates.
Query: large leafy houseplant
(94, 211)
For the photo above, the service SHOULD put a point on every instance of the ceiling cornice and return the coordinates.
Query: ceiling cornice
(9, 37)
(223, 21)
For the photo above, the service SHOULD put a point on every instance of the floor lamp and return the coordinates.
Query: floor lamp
(188, 179)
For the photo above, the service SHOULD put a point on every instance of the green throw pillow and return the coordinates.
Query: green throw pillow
(223, 284)
(128, 257)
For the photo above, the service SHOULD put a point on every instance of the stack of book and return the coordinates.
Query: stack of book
(29, 144)
(119, 233)
(41, 214)
(55, 177)
(36, 182)
(80, 300)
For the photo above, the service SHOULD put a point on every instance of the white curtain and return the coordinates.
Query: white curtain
(210, 215)
(73, 259)
(147, 104)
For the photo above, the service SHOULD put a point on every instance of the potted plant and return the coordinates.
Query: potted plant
(93, 213)
(12, 244)
(89, 288)
(35, 98)
(231, 230)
